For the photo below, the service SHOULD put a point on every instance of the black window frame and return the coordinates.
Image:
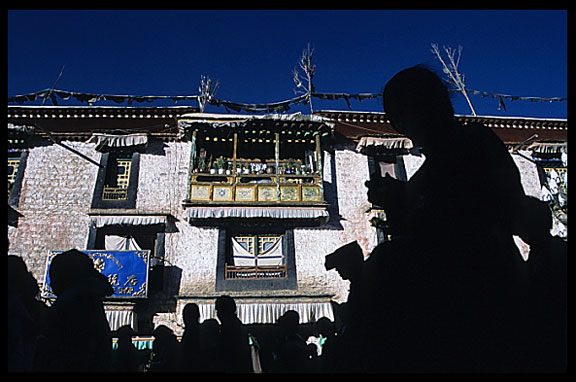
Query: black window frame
(156, 263)
(224, 252)
(14, 197)
(383, 230)
(107, 161)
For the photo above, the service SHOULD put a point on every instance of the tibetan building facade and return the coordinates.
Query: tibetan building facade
(177, 206)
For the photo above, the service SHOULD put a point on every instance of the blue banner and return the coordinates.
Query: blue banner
(127, 271)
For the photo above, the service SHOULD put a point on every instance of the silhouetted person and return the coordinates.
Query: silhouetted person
(26, 315)
(447, 287)
(545, 306)
(312, 364)
(209, 334)
(348, 261)
(77, 336)
(291, 351)
(191, 338)
(166, 350)
(332, 357)
(126, 358)
(233, 347)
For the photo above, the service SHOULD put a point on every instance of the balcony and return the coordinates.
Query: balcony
(255, 273)
(255, 167)
(257, 189)
(114, 193)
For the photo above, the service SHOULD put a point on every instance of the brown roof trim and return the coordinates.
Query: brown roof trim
(351, 124)
(509, 129)
(78, 119)
(89, 112)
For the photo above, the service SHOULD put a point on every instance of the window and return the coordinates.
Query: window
(255, 259)
(256, 166)
(13, 162)
(16, 165)
(382, 165)
(117, 177)
(116, 185)
(553, 171)
(119, 237)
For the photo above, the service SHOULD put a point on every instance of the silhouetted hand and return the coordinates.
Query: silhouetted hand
(386, 192)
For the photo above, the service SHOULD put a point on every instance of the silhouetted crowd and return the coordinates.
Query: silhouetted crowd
(73, 335)
(449, 293)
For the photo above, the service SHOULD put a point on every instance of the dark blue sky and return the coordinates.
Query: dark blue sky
(252, 53)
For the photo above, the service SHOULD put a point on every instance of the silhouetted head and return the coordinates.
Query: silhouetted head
(69, 268)
(325, 327)
(534, 221)
(418, 104)
(289, 321)
(162, 332)
(225, 307)
(20, 279)
(191, 314)
(163, 338)
(124, 334)
(209, 327)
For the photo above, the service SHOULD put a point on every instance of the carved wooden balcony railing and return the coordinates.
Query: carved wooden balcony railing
(255, 273)
(256, 189)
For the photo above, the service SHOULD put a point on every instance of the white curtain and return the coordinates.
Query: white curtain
(120, 243)
(271, 257)
(120, 317)
(266, 312)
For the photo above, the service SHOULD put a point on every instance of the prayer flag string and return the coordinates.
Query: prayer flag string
(274, 107)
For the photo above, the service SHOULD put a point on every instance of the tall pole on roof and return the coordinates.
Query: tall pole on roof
(451, 70)
(207, 90)
(52, 137)
(309, 70)
(52, 88)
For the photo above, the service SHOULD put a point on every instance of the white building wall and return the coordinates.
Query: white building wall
(54, 200)
(57, 192)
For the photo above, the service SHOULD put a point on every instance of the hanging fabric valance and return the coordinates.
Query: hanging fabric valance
(101, 221)
(385, 143)
(266, 311)
(548, 147)
(109, 140)
(255, 212)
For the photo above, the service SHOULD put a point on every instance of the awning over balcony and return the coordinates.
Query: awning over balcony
(193, 213)
(268, 310)
(242, 120)
(389, 143)
(110, 140)
(549, 147)
(101, 221)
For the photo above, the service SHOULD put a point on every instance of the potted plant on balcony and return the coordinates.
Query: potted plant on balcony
(221, 165)
(270, 169)
(290, 166)
(202, 164)
(212, 166)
